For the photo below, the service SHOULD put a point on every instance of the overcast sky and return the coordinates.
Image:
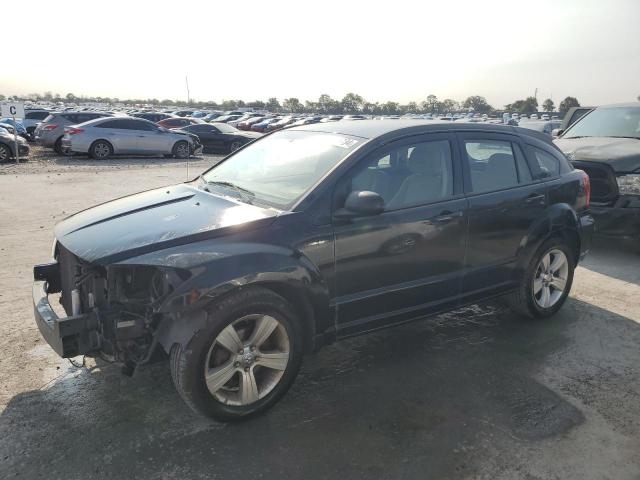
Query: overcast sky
(399, 50)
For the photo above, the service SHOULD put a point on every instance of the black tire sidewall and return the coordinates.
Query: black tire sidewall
(535, 310)
(219, 317)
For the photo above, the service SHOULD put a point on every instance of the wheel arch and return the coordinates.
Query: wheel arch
(113, 149)
(561, 221)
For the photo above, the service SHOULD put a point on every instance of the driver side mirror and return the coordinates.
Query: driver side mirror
(556, 132)
(361, 204)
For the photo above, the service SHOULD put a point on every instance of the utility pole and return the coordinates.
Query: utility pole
(186, 79)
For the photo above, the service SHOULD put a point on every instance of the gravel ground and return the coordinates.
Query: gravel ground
(477, 393)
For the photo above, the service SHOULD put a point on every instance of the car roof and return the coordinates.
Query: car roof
(371, 129)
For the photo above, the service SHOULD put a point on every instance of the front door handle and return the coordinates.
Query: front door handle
(539, 199)
(447, 216)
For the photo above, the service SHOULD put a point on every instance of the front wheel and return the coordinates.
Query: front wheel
(181, 150)
(547, 281)
(234, 146)
(5, 153)
(244, 360)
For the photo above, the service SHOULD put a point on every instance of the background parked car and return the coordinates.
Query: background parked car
(154, 117)
(212, 116)
(220, 137)
(7, 146)
(264, 124)
(32, 118)
(104, 137)
(17, 126)
(51, 130)
(541, 126)
(227, 118)
(246, 124)
(183, 113)
(178, 122)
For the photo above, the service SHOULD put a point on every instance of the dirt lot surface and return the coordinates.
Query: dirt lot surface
(478, 393)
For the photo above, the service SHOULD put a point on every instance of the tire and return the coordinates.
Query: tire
(57, 147)
(181, 149)
(100, 150)
(234, 146)
(227, 401)
(533, 303)
(5, 153)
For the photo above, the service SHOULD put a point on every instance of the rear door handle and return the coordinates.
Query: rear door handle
(447, 216)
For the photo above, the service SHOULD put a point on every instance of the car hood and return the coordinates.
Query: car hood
(622, 154)
(154, 220)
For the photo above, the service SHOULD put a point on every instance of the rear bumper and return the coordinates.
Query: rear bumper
(67, 336)
(618, 222)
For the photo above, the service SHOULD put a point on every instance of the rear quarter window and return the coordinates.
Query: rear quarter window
(548, 164)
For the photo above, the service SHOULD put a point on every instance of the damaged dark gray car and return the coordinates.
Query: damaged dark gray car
(311, 234)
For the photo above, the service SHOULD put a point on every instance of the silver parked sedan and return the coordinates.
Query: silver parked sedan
(104, 137)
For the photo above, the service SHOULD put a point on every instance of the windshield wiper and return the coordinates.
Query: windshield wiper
(623, 136)
(247, 195)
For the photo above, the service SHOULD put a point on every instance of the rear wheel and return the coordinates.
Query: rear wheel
(181, 150)
(244, 360)
(547, 281)
(100, 150)
(57, 147)
(234, 146)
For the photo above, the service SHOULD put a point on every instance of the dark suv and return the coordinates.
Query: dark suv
(308, 235)
(605, 143)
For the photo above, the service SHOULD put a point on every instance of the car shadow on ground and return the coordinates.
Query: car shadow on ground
(611, 256)
(430, 399)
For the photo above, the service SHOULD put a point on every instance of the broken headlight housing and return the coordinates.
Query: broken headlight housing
(629, 184)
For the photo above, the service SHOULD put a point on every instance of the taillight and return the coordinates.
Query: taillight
(50, 127)
(73, 130)
(586, 185)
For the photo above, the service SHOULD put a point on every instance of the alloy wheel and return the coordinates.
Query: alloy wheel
(101, 150)
(4, 153)
(550, 278)
(247, 360)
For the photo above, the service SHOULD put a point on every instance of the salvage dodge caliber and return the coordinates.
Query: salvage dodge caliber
(308, 235)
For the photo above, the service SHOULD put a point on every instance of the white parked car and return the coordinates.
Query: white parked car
(103, 137)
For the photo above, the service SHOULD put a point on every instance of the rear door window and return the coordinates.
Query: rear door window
(495, 165)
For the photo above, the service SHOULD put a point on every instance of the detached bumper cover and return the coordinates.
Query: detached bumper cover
(69, 336)
(619, 222)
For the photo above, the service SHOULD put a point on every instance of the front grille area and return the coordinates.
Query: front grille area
(76, 273)
(604, 188)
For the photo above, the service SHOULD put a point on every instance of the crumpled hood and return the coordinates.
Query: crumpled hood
(153, 220)
(622, 154)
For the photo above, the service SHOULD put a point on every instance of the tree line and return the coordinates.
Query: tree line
(351, 103)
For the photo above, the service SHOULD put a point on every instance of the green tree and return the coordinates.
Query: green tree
(292, 105)
(568, 103)
(430, 104)
(548, 105)
(477, 104)
(352, 103)
(2, 97)
(448, 105)
(70, 97)
(273, 105)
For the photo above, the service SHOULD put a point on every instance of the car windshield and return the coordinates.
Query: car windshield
(608, 122)
(277, 170)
